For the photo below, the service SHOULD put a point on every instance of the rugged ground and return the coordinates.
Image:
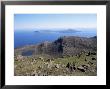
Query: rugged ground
(67, 56)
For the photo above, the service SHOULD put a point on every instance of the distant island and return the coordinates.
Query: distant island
(60, 31)
(36, 31)
(68, 31)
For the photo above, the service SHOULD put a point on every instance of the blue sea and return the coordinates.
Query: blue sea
(23, 37)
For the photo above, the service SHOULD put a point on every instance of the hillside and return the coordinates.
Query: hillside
(68, 55)
(64, 46)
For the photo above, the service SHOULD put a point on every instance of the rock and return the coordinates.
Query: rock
(44, 74)
(57, 66)
(68, 65)
(33, 75)
(93, 70)
(88, 54)
(39, 73)
(90, 63)
(39, 67)
(19, 57)
(85, 66)
(49, 65)
(48, 60)
(41, 58)
(62, 65)
(72, 68)
(93, 53)
(93, 58)
(27, 74)
(35, 58)
(85, 59)
(32, 63)
(82, 69)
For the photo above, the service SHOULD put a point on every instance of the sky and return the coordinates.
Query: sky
(53, 21)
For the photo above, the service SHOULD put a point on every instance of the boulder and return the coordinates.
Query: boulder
(68, 65)
(82, 69)
(90, 63)
(93, 58)
(57, 66)
(72, 68)
(85, 67)
(41, 58)
(19, 57)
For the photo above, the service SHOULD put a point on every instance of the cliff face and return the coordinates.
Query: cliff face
(67, 46)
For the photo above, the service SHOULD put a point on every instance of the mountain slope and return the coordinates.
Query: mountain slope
(66, 56)
(64, 46)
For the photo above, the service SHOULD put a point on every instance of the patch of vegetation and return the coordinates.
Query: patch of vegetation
(43, 65)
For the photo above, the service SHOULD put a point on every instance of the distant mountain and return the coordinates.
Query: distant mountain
(36, 31)
(43, 31)
(94, 37)
(64, 46)
(60, 31)
(68, 31)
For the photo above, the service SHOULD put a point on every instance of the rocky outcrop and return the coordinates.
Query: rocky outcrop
(67, 46)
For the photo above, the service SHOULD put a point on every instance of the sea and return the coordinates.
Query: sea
(31, 37)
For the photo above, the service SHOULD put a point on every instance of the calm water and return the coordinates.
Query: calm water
(27, 53)
(22, 38)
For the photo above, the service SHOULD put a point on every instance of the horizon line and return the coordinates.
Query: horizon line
(52, 28)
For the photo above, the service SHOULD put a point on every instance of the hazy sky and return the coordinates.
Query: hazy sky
(49, 21)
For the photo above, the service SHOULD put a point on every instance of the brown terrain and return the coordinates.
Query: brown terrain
(66, 56)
